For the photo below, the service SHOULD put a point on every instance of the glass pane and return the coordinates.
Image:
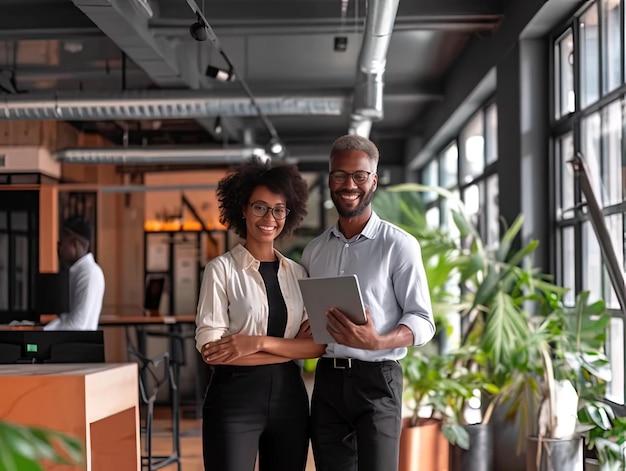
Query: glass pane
(564, 75)
(612, 136)
(568, 267)
(491, 133)
(3, 220)
(592, 263)
(430, 177)
(4, 272)
(615, 227)
(589, 56)
(493, 211)
(473, 142)
(447, 221)
(471, 198)
(615, 389)
(565, 152)
(591, 151)
(432, 217)
(450, 166)
(611, 77)
(19, 221)
(20, 293)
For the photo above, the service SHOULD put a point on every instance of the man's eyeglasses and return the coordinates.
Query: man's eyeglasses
(260, 210)
(359, 177)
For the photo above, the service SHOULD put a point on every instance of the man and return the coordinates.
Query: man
(86, 278)
(357, 398)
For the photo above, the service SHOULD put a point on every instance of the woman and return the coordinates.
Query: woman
(251, 325)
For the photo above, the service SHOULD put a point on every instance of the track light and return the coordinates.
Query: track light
(220, 75)
(218, 125)
(275, 148)
(198, 30)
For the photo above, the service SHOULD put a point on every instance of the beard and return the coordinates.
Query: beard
(366, 199)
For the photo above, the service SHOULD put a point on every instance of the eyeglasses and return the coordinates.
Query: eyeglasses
(260, 210)
(359, 177)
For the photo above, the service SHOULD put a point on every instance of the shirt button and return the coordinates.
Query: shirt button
(347, 245)
(342, 272)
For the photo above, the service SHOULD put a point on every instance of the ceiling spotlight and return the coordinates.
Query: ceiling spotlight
(275, 148)
(218, 125)
(220, 75)
(198, 30)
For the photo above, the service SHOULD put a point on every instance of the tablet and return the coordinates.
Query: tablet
(319, 294)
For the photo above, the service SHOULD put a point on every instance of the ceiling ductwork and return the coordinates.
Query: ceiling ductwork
(159, 105)
(126, 23)
(159, 155)
(367, 105)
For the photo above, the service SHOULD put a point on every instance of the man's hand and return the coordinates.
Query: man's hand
(346, 332)
(230, 348)
(305, 331)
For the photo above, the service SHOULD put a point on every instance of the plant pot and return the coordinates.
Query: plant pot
(479, 457)
(556, 454)
(423, 447)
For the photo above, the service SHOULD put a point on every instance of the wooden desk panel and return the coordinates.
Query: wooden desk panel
(96, 403)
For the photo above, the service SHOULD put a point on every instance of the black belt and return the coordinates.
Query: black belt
(347, 363)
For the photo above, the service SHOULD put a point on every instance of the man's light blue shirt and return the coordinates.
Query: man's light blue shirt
(388, 263)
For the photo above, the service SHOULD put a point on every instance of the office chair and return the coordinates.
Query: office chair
(154, 374)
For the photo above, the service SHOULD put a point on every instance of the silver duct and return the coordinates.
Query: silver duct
(367, 105)
(159, 155)
(178, 104)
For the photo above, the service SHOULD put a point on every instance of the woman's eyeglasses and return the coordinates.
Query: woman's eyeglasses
(260, 210)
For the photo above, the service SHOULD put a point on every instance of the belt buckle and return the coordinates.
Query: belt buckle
(338, 366)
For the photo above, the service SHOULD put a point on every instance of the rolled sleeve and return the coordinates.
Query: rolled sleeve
(212, 319)
(423, 330)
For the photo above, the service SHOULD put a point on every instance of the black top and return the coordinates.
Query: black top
(277, 321)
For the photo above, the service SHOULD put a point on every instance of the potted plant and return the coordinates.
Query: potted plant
(431, 382)
(561, 362)
(25, 448)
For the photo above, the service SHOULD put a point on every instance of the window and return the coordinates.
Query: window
(589, 98)
(466, 169)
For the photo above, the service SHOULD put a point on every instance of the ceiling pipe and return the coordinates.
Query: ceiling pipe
(160, 155)
(178, 104)
(367, 105)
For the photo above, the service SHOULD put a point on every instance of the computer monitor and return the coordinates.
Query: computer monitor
(155, 285)
(52, 293)
(38, 346)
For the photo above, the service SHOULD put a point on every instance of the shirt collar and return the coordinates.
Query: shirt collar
(245, 260)
(88, 257)
(370, 230)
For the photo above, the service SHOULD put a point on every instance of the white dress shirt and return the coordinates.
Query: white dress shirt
(388, 262)
(86, 294)
(233, 298)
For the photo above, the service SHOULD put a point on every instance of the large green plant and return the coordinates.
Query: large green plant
(25, 448)
(513, 314)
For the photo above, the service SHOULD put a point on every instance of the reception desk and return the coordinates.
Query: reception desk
(97, 403)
